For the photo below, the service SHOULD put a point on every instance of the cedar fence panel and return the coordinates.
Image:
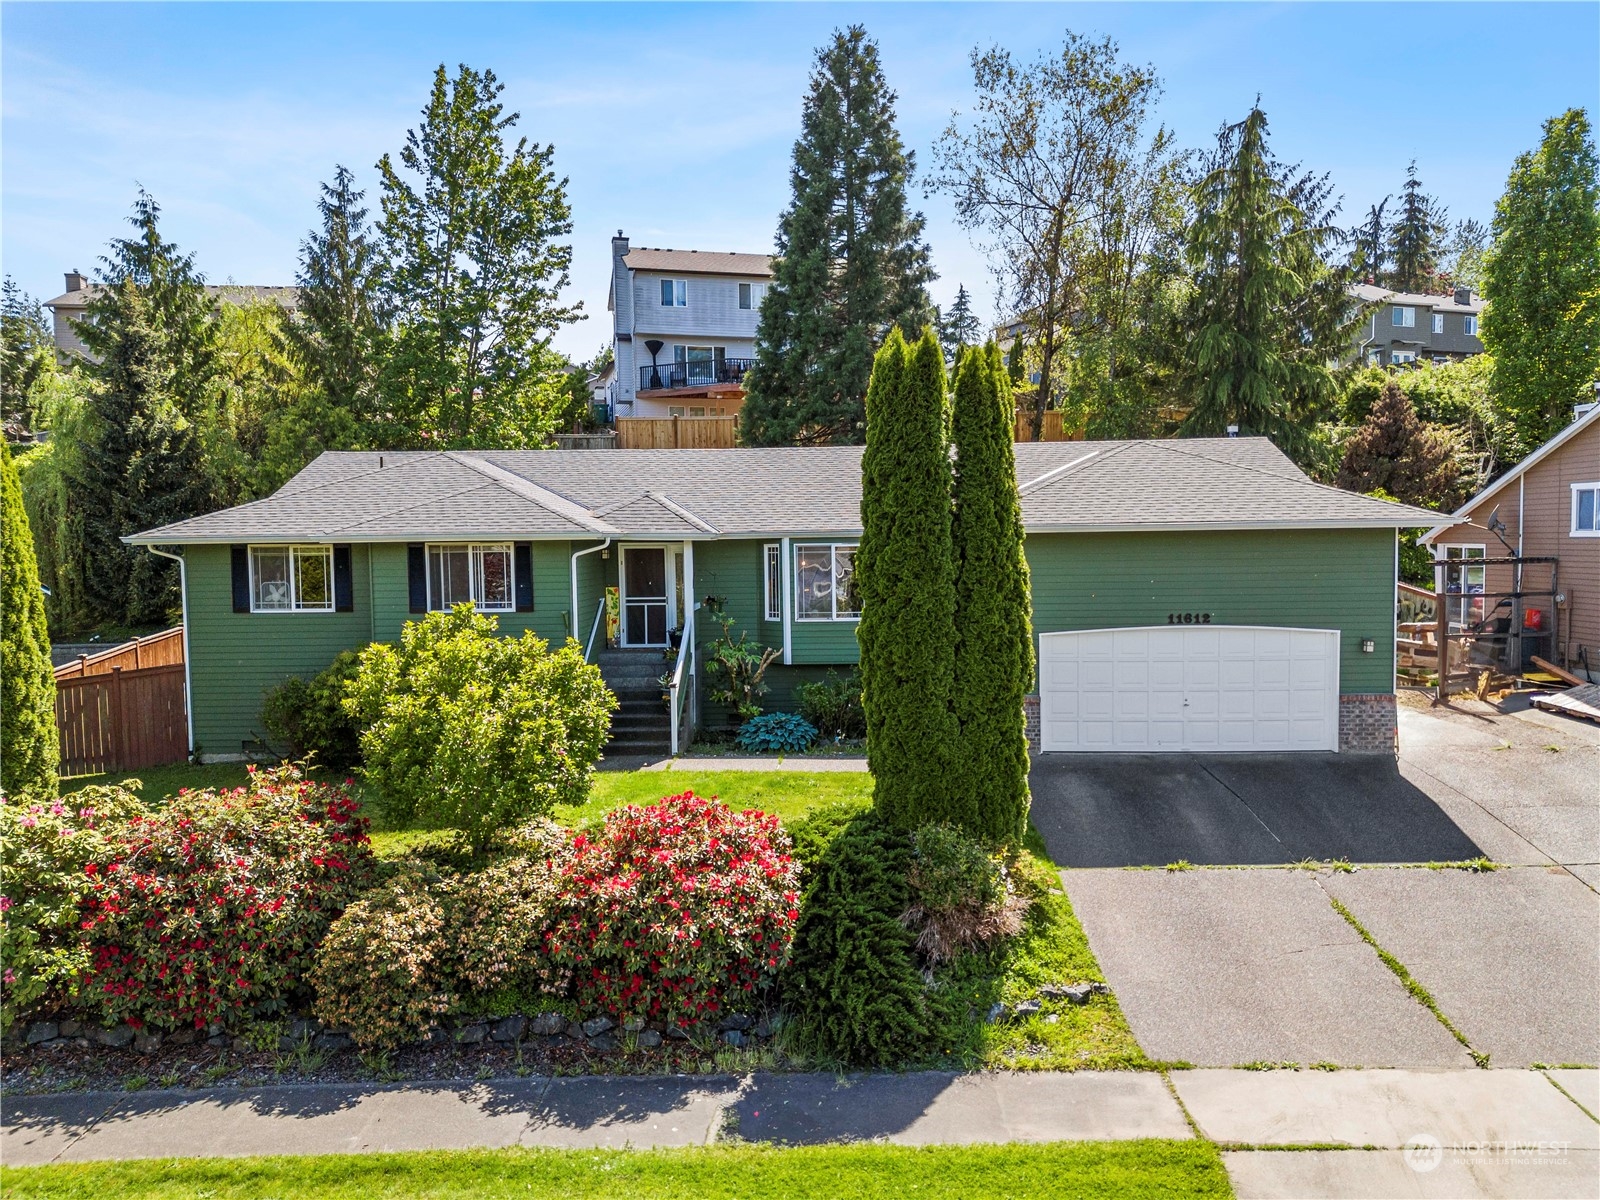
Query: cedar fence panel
(677, 433)
(158, 650)
(1053, 430)
(122, 720)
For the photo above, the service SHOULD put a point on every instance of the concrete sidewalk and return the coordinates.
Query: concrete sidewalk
(734, 762)
(1447, 1133)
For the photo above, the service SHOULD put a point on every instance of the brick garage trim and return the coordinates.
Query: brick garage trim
(1030, 718)
(1368, 724)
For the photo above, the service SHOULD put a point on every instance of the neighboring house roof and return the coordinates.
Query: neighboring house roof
(235, 293)
(1192, 484)
(1517, 472)
(1371, 294)
(698, 262)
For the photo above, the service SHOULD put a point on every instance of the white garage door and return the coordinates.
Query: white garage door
(1182, 687)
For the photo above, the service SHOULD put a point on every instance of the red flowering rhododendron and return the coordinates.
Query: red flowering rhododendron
(682, 911)
(210, 909)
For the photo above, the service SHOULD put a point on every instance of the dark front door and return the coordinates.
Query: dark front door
(644, 596)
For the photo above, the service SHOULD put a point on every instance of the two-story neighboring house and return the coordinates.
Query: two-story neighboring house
(1409, 327)
(683, 328)
(68, 308)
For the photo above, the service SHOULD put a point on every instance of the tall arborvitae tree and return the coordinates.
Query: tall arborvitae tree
(475, 260)
(906, 580)
(1267, 313)
(29, 749)
(994, 632)
(1394, 452)
(139, 467)
(959, 327)
(1416, 238)
(852, 263)
(1542, 282)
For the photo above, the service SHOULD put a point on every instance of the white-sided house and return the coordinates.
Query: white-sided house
(683, 328)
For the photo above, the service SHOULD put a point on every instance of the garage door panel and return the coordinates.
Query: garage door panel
(1216, 687)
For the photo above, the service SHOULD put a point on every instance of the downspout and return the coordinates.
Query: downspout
(573, 570)
(183, 592)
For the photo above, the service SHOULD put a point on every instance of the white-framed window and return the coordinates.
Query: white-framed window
(677, 410)
(291, 579)
(750, 294)
(1404, 316)
(1586, 509)
(1402, 356)
(1469, 326)
(478, 573)
(1463, 584)
(1438, 322)
(674, 293)
(772, 581)
(824, 582)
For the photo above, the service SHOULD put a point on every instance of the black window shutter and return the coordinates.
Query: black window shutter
(417, 569)
(524, 568)
(344, 598)
(241, 579)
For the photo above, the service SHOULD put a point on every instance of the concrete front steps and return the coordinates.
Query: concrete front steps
(641, 724)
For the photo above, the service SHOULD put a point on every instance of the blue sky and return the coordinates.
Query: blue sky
(675, 122)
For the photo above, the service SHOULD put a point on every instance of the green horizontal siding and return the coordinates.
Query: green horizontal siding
(552, 594)
(1310, 579)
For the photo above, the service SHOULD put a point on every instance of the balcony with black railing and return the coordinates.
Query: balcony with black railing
(692, 374)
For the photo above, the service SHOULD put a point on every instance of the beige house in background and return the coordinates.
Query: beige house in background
(70, 306)
(1549, 507)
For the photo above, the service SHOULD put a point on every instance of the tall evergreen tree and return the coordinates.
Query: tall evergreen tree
(29, 748)
(474, 264)
(27, 352)
(1542, 281)
(906, 580)
(852, 263)
(1370, 244)
(959, 327)
(1395, 452)
(1416, 238)
(993, 621)
(139, 467)
(1267, 313)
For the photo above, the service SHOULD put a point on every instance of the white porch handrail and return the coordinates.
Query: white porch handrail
(675, 696)
(594, 630)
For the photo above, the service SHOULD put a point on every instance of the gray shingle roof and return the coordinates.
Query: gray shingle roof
(698, 262)
(1196, 483)
(1372, 294)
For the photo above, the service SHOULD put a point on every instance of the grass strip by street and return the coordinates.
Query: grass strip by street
(1418, 993)
(1130, 1170)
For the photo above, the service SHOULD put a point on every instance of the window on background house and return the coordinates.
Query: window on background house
(674, 293)
(825, 587)
(750, 295)
(291, 578)
(1438, 322)
(1404, 316)
(475, 573)
(772, 588)
(1402, 356)
(677, 410)
(1586, 510)
(1469, 326)
(1463, 585)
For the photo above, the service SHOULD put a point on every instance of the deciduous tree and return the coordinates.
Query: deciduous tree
(852, 263)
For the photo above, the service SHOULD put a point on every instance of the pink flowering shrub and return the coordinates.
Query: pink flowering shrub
(44, 850)
(211, 909)
(681, 911)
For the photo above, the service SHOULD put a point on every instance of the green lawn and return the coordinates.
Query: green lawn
(161, 782)
(1112, 1170)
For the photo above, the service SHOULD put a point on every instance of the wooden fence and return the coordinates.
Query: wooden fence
(122, 720)
(677, 433)
(158, 650)
(1053, 429)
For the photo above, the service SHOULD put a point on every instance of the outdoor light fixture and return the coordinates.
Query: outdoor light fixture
(1368, 645)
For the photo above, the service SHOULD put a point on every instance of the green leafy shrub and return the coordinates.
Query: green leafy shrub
(308, 719)
(962, 895)
(210, 910)
(736, 669)
(680, 911)
(776, 733)
(45, 849)
(466, 730)
(853, 989)
(833, 705)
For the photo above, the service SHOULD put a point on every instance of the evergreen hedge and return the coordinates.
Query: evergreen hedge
(29, 748)
(994, 636)
(905, 576)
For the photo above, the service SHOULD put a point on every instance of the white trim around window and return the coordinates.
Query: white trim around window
(1438, 322)
(1585, 510)
(772, 581)
(824, 574)
(750, 295)
(289, 579)
(483, 574)
(674, 293)
(1469, 326)
(1404, 316)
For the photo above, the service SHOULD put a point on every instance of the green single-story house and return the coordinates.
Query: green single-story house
(1198, 594)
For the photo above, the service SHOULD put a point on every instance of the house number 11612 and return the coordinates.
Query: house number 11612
(1188, 618)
